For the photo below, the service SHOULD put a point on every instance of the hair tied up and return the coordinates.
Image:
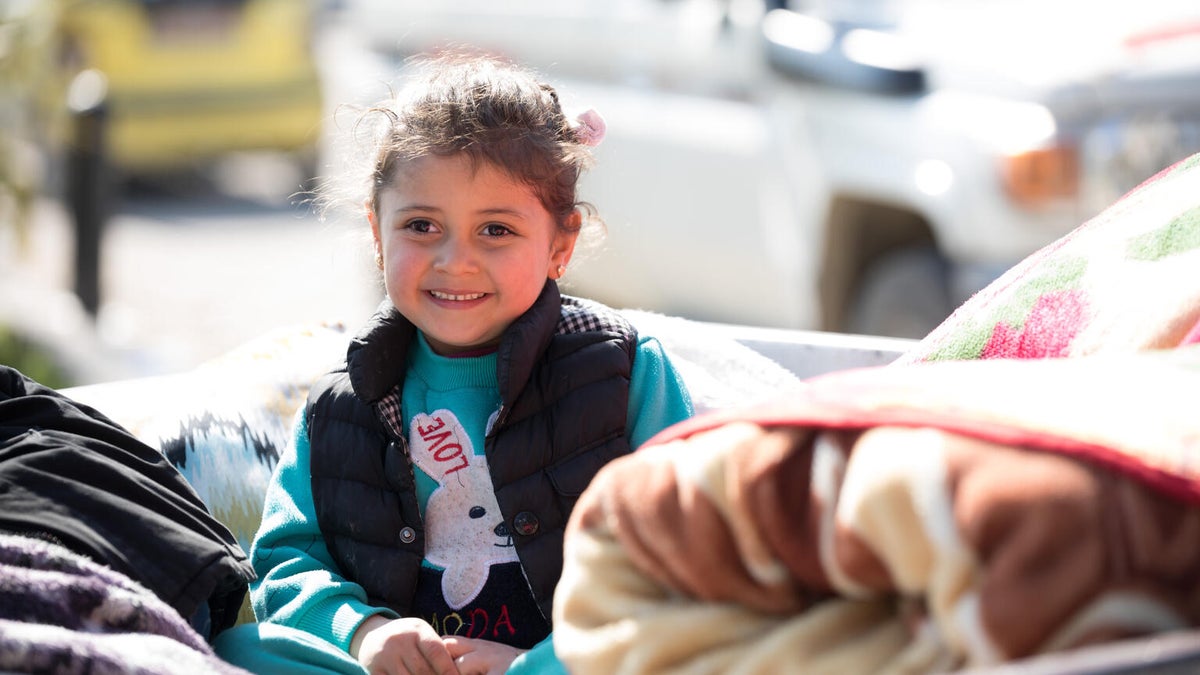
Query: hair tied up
(588, 127)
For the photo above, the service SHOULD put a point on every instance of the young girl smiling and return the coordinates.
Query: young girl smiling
(416, 523)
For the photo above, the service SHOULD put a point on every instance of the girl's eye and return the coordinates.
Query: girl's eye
(419, 225)
(496, 230)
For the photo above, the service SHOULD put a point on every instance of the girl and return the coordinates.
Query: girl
(416, 524)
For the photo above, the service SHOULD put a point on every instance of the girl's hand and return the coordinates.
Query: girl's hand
(481, 657)
(406, 646)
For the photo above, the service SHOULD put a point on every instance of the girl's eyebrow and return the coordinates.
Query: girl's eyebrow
(501, 211)
(416, 207)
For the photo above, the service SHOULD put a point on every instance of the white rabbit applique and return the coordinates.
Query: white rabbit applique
(464, 531)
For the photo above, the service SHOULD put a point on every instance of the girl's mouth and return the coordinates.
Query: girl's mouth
(456, 297)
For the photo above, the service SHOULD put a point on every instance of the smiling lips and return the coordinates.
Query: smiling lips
(456, 297)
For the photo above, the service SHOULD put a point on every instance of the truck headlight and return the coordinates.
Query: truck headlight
(1038, 176)
(1036, 167)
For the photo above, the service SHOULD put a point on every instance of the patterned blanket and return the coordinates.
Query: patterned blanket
(62, 613)
(1024, 481)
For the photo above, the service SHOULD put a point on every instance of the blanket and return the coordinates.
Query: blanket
(897, 520)
(1021, 482)
(61, 612)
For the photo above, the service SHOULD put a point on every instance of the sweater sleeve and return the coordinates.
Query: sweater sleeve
(658, 397)
(539, 660)
(299, 584)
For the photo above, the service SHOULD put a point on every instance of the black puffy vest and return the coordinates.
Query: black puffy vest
(563, 369)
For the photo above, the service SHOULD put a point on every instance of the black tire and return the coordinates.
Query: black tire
(904, 293)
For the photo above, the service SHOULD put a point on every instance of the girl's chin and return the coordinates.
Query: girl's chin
(445, 346)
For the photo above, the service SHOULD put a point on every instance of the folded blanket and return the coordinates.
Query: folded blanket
(897, 520)
(62, 613)
(1023, 481)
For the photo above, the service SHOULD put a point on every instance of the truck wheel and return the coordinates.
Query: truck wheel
(902, 294)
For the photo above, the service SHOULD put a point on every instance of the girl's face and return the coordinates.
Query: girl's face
(466, 249)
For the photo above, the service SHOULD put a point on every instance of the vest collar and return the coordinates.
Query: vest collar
(529, 335)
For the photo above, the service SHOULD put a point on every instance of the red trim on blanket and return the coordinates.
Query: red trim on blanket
(805, 411)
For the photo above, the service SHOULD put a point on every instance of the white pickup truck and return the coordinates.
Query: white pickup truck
(856, 166)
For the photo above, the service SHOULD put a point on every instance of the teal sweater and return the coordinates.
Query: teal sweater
(298, 583)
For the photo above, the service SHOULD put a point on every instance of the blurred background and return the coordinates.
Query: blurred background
(842, 165)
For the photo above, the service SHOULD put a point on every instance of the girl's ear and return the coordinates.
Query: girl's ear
(378, 243)
(564, 244)
(372, 220)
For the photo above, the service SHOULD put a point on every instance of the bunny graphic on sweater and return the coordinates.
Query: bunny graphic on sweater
(465, 531)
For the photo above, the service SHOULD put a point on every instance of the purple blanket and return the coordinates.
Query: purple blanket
(63, 613)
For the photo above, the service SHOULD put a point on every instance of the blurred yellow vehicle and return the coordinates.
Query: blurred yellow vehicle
(190, 80)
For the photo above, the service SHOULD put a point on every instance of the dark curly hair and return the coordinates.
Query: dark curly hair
(494, 112)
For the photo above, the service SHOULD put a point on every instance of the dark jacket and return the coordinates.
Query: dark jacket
(564, 359)
(71, 476)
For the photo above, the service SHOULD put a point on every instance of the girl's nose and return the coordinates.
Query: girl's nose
(455, 256)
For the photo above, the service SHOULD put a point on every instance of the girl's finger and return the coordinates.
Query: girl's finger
(437, 657)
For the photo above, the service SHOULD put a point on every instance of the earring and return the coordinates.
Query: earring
(562, 269)
(379, 258)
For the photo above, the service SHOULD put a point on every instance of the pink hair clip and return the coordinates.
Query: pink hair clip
(588, 127)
